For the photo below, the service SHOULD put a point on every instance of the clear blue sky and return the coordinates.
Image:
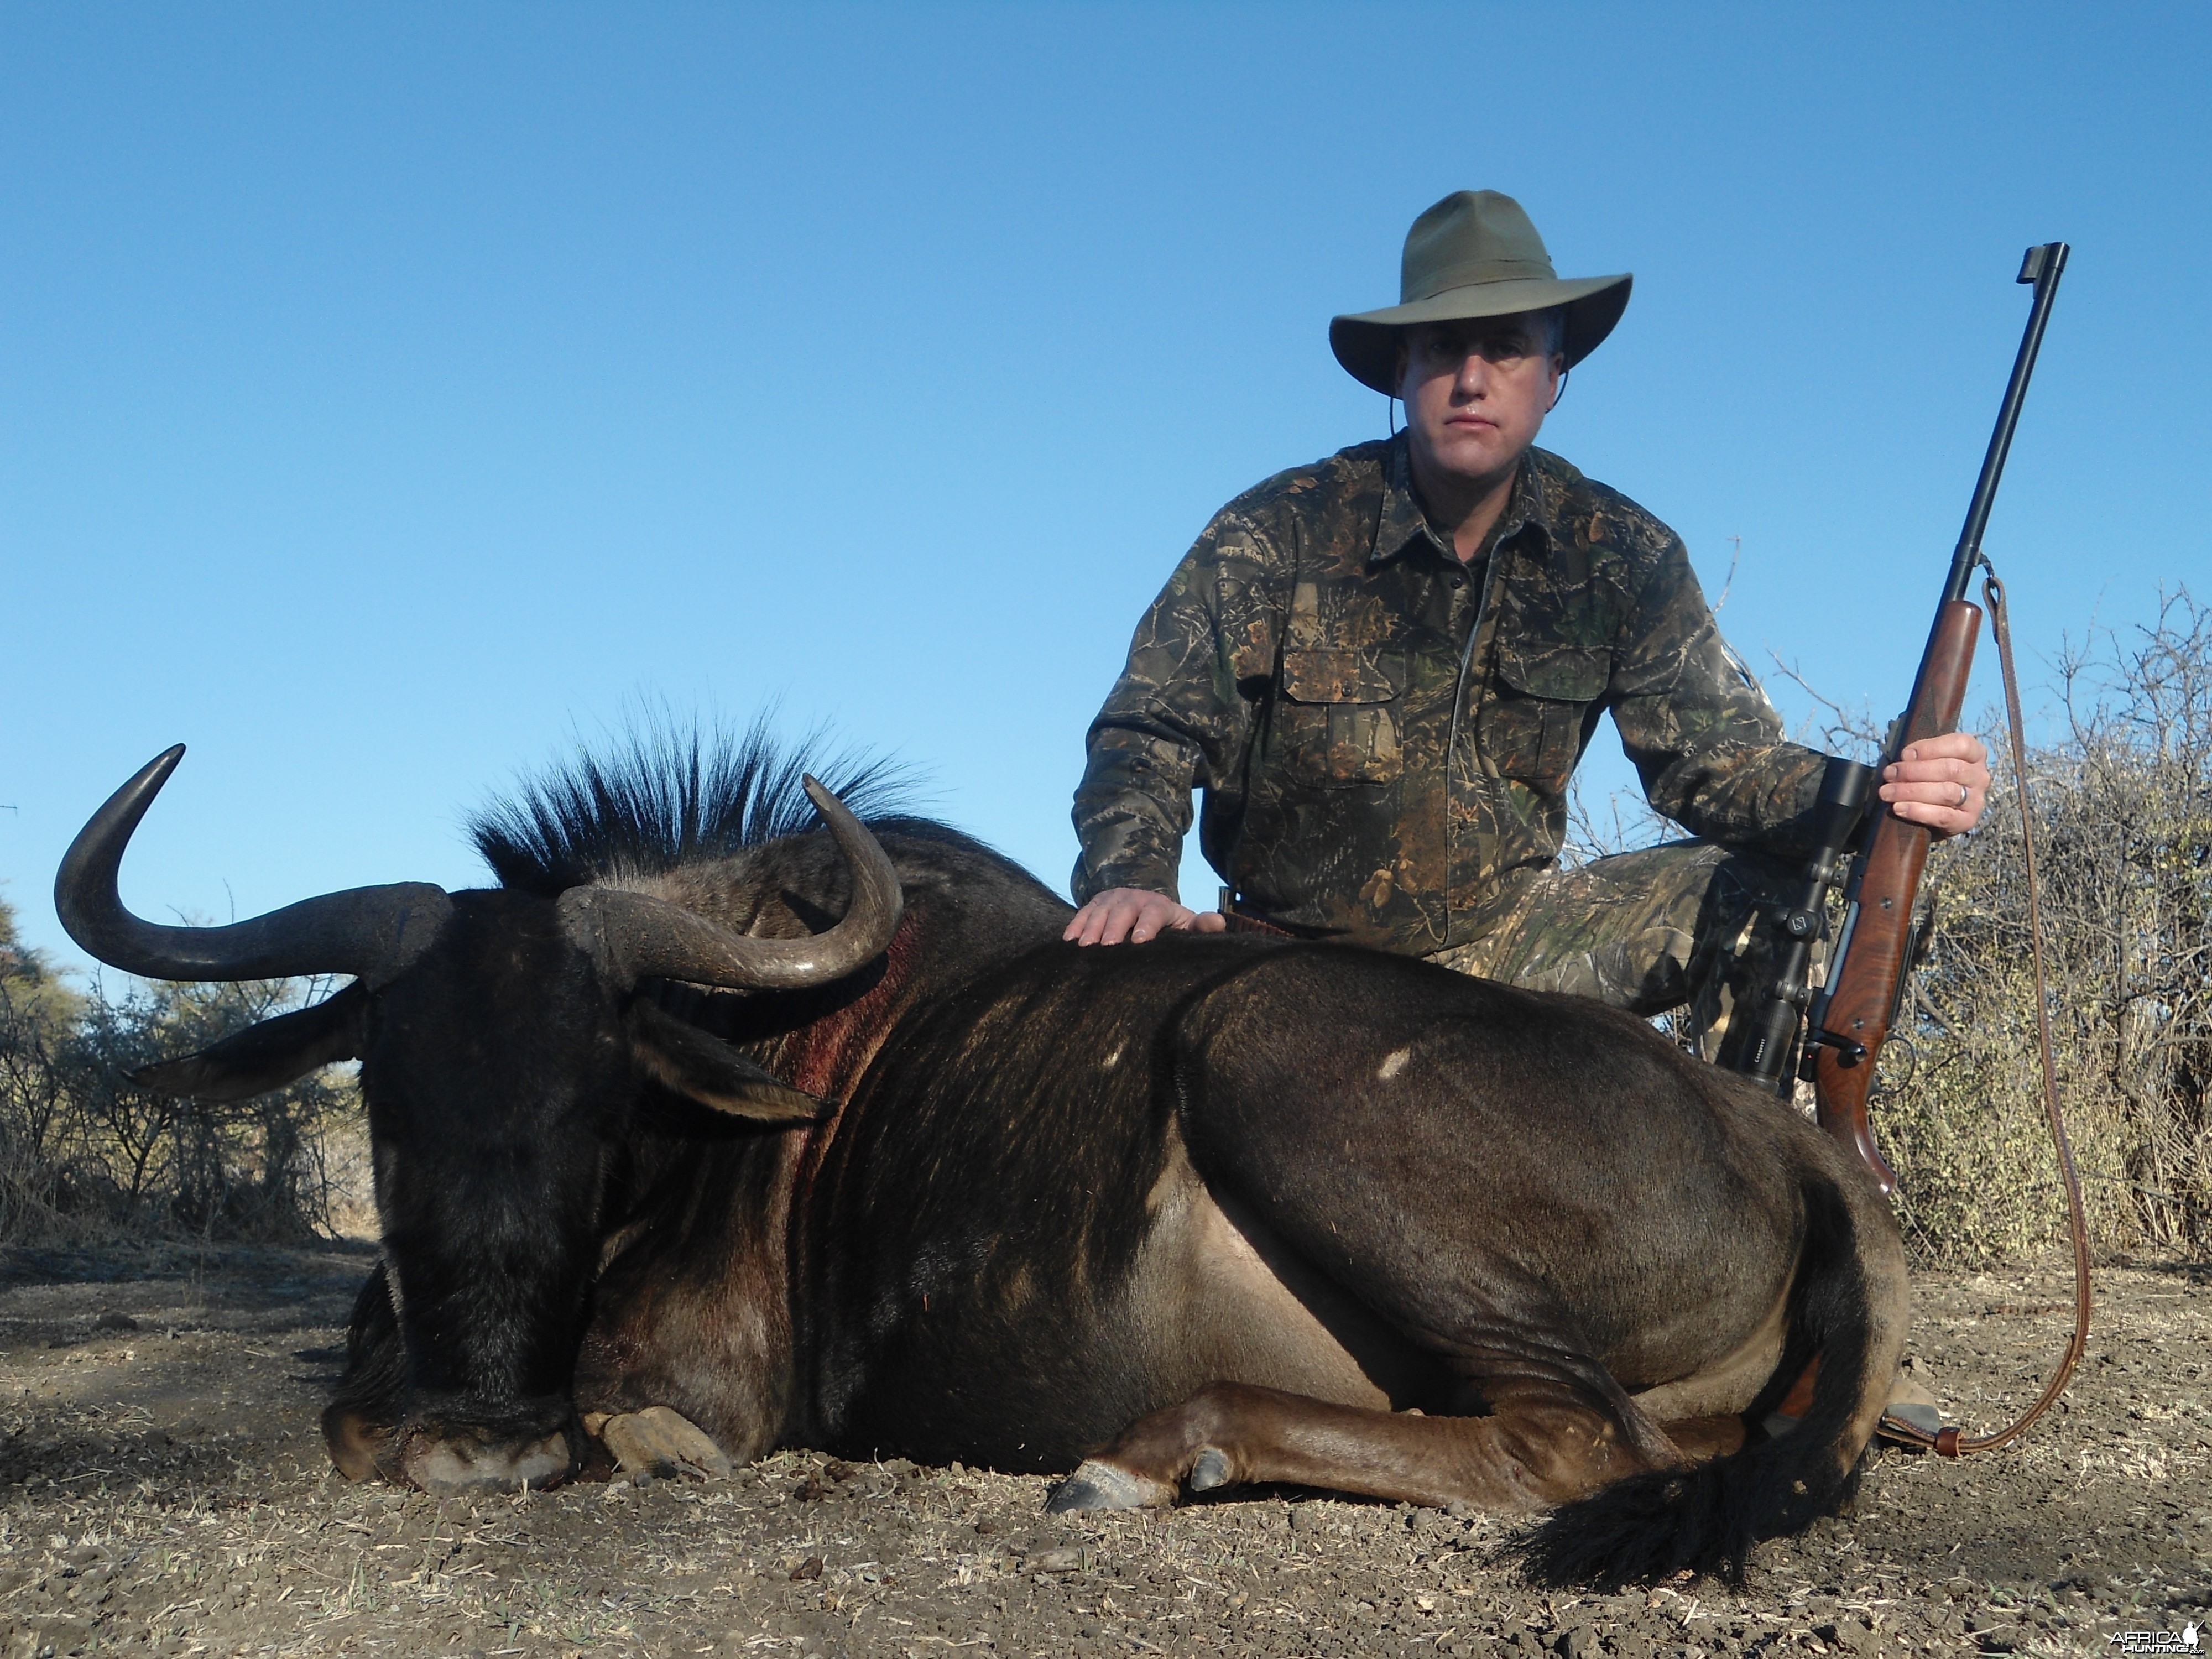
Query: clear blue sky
(393, 393)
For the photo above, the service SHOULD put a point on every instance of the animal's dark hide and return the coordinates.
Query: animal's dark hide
(1211, 1208)
(1649, 1526)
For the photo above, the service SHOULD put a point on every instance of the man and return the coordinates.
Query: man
(1383, 668)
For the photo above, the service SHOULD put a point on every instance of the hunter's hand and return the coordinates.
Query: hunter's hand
(1942, 782)
(1133, 914)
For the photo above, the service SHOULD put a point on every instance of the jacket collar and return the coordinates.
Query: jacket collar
(1402, 522)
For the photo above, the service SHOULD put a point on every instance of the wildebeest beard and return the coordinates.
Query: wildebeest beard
(826, 1138)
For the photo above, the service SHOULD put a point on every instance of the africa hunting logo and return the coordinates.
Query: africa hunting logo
(2184, 1640)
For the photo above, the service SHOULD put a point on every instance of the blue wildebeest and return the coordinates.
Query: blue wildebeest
(812, 1132)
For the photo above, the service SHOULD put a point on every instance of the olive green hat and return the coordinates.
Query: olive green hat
(1474, 254)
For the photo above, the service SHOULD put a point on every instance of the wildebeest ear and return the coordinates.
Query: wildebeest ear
(700, 1066)
(268, 1055)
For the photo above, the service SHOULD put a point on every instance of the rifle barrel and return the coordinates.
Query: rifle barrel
(2043, 266)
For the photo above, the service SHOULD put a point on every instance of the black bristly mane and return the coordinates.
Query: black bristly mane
(657, 799)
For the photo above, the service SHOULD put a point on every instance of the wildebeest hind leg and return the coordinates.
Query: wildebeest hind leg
(1546, 1440)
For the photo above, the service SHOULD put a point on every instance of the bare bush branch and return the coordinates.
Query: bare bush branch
(2123, 807)
(85, 1152)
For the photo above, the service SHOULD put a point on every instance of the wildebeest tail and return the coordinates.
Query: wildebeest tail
(1846, 1308)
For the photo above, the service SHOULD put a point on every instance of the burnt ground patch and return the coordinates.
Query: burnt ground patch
(163, 1489)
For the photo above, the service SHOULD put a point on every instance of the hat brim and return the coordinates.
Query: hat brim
(1367, 343)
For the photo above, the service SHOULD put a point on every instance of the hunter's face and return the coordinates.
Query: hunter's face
(1476, 393)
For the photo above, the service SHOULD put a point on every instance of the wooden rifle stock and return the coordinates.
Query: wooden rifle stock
(1852, 1020)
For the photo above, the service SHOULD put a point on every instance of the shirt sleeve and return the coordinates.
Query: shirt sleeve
(1704, 739)
(1178, 717)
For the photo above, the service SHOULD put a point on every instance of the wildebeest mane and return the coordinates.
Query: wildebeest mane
(659, 797)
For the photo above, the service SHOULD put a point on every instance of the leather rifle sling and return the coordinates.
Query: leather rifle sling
(1949, 1442)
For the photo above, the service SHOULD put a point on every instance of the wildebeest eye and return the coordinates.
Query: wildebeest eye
(702, 1068)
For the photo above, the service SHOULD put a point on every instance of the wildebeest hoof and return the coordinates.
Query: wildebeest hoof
(662, 1442)
(1101, 1485)
(356, 1443)
(452, 1466)
(1211, 1470)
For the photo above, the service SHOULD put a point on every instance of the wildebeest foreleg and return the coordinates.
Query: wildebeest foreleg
(1545, 1440)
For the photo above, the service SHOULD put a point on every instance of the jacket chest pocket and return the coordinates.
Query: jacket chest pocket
(1338, 722)
(1532, 730)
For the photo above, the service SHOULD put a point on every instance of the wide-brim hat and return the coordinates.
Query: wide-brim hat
(1474, 254)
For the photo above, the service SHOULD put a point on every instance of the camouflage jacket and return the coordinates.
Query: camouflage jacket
(1384, 735)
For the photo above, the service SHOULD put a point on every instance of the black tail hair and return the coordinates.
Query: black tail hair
(1707, 1519)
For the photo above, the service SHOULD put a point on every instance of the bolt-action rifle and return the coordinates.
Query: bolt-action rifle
(1850, 1017)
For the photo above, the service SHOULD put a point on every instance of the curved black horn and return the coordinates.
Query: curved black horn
(373, 933)
(642, 937)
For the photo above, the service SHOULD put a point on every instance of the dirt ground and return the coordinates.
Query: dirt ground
(163, 1488)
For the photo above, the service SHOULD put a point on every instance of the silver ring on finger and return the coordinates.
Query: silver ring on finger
(1963, 792)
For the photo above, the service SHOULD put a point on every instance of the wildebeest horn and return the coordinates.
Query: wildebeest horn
(373, 933)
(642, 937)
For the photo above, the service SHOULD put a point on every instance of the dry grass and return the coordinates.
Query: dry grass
(164, 1489)
(2123, 812)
